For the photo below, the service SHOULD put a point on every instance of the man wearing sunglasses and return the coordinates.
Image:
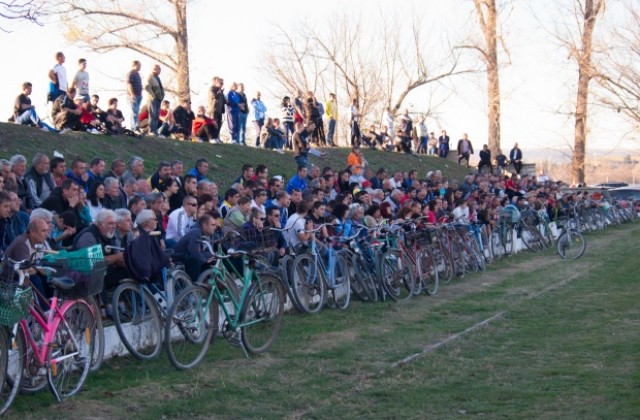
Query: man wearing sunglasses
(181, 220)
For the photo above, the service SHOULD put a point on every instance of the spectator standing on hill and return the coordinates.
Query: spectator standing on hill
(288, 113)
(217, 102)
(58, 78)
(233, 113)
(134, 89)
(465, 149)
(259, 113)
(243, 106)
(515, 156)
(298, 105)
(81, 80)
(388, 121)
(443, 144)
(355, 118)
(331, 110)
(155, 95)
(423, 136)
(432, 144)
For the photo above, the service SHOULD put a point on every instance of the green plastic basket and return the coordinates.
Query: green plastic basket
(81, 260)
(14, 303)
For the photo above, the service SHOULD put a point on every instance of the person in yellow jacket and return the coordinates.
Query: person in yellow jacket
(331, 111)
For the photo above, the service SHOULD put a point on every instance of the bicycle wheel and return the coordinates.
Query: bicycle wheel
(532, 238)
(11, 367)
(571, 245)
(507, 239)
(34, 377)
(444, 264)
(179, 280)
(285, 266)
(546, 233)
(69, 357)
(97, 355)
(341, 290)
(261, 314)
(193, 327)
(486, 246)
(478, 256)
(363, 284)
(497, 250)
(137, 320)
(397, 275)
(429, 277)
(309, 288)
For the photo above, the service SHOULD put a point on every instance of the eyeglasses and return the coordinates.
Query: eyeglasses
(262, 218)
(192, 204)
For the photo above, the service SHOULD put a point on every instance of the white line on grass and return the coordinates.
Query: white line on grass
(434, 347)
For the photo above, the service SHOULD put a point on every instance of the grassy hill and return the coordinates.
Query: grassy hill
(226, 160)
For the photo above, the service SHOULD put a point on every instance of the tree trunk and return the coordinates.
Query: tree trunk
(182, 50)
(591, 10)
(487, 17)
(493, 81)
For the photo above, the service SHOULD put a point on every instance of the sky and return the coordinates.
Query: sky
(227, 39)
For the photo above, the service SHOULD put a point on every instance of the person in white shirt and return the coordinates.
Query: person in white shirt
(181, 220)
(58, 75)
(296, 234)
(387, 121)
(259, 200)
(460, 213)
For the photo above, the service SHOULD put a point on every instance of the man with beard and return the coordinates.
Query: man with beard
(102, 232)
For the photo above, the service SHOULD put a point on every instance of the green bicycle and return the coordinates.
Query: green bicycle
(252, 306)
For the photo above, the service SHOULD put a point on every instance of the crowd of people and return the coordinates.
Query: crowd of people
(74, 108)
(93, 203)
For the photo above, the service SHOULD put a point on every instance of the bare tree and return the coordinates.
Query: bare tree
(618, 72)
(487, 13)
(586, 12)
(19, 10)
(380, 67)
(147, 27)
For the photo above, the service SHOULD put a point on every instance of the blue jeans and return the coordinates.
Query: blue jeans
(233, 119)
(28, 117)
(242, 129)
(303, 160)
(289, 128)
(258, 124)
(154, 114)
(330, 131)
(135, 111)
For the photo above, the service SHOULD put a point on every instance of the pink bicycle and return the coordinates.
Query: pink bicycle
(52, 346)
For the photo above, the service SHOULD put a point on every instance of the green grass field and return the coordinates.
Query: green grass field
(562, 343)
(226, 160)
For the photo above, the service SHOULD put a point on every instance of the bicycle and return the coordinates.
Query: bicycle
(313, 278)
(141, 308)
(570, 244)
(252, 314)
(68, 330)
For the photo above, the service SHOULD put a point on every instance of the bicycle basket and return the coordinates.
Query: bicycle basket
(14, 303)
(86, 284)
(81, 260)
(510, 214)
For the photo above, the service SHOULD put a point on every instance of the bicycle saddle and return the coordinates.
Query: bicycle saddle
(62, 283)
